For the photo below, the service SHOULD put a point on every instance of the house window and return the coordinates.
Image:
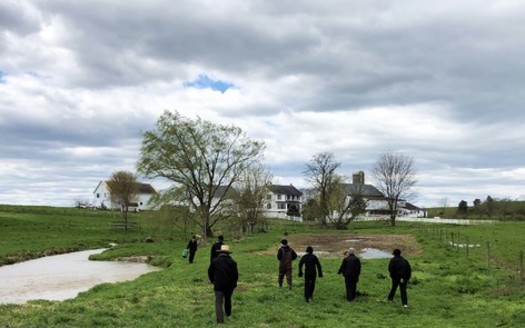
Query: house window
(269, 196)
(140, 203)
(281, 206)
(98, 195)
(269, 206)
(279, 196)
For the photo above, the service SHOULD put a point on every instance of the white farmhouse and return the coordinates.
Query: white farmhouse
(102, 198)
(284, 202)
(376, 201)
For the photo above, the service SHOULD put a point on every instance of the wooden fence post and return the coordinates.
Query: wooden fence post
(467, 245)
(487, 253)
(521, 266)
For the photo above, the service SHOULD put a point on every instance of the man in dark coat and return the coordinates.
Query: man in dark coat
(224, 275)
(192, 247)
(400, 272)
(285, 255)
(351, 269)
(214, 252)
(312, 267)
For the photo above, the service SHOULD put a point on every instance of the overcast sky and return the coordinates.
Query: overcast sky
(441, 81)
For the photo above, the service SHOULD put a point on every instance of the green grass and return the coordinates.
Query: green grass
(447, 290)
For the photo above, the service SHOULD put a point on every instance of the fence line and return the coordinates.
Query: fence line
(453, 239)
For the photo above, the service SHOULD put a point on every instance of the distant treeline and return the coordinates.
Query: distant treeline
(502, 209)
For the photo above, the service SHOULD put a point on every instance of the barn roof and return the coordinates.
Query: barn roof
(285, 190)
(364, 189)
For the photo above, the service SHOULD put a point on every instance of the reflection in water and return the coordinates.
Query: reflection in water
(63, 276)
(373, 253)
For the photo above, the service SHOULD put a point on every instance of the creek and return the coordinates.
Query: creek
(61, 277)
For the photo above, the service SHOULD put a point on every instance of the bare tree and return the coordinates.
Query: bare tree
(321, 173)
(124, 189)
(201, 158)
(444, 204)
(396, 176)
(250, 198)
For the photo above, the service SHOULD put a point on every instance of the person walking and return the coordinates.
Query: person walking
(351, 269)
(214, 252)
(223, 274)
(400, 272)
(312, 269)
(192, 248)
(285, 255)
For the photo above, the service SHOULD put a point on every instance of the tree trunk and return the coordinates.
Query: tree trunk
(392, 220)
(207, 230)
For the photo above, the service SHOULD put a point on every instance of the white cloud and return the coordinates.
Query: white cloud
(440, 81)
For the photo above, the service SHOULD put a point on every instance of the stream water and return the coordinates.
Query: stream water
(62, 277)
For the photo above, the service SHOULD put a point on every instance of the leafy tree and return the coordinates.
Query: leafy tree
(312, 210)
(477, 202)
(396, 176)
(344, 205)
(124, 189)
(462, 207)
(202, 159)
(321, 173)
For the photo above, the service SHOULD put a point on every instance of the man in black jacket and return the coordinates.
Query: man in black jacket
(312, 267)
(192, 247)
(215, 248)
(224, 275)
(351, 269)
(400, 272)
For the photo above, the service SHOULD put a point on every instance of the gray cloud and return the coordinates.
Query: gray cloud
(83, 79)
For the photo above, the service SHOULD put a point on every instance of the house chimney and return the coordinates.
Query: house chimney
(358, 178)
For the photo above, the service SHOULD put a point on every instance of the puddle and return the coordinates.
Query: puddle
(374, 253)
(62, 277)
(316, 253)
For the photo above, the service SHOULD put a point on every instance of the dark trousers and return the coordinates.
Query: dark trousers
(351, 288)
(285, 272)
(223, 297)
(309, 287)
(402, 288)
(191, 257)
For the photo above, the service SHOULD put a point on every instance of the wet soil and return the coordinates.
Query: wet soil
(335, 245)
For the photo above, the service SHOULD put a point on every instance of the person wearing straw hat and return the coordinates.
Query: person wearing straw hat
(223, 274)
(351, 269)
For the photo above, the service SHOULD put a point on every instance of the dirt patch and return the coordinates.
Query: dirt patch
(134, 259)
(331, 245)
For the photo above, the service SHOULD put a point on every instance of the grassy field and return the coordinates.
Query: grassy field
(448, 289)
(500, 210)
